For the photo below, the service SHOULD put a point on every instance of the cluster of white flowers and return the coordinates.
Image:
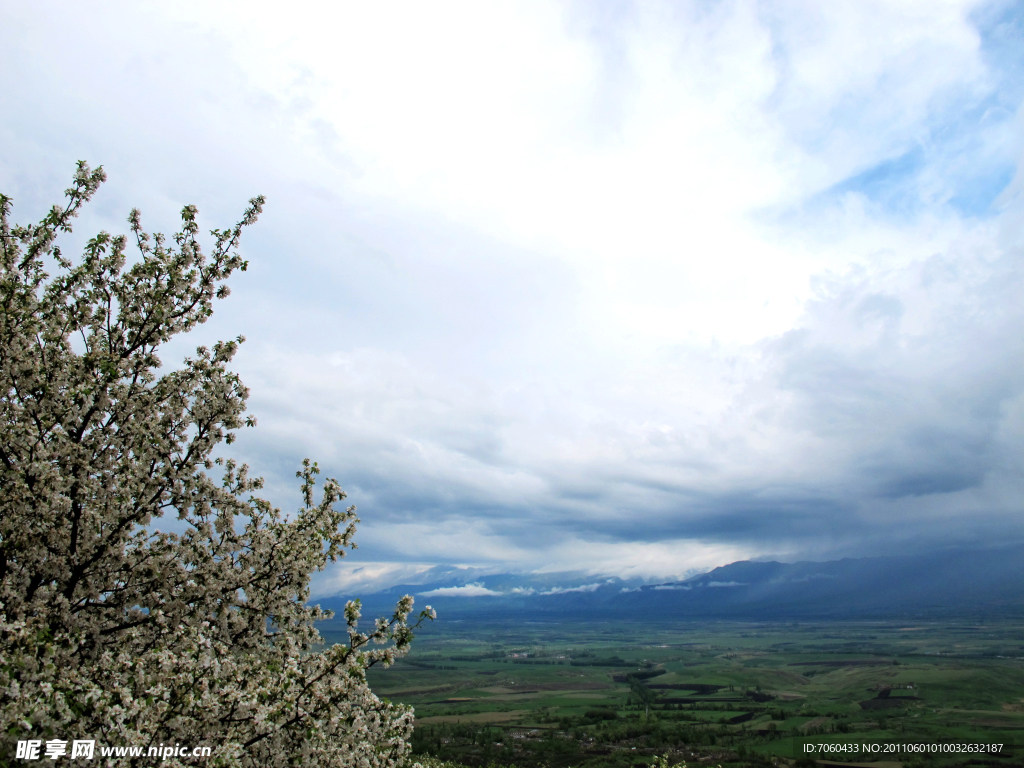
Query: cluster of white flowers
(109, 630)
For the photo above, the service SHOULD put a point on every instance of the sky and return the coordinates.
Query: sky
(627, 288)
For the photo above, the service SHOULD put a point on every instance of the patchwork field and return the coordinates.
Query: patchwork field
(729, 693)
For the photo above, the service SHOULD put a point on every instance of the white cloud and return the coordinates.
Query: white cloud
(361, 576)
(469, 590)
(559, 292)
(568, 590)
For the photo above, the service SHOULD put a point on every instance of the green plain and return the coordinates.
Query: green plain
(618, 694)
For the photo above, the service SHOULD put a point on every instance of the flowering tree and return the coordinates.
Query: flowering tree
(109, 629)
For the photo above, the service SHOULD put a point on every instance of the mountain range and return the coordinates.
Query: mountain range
(975, 583)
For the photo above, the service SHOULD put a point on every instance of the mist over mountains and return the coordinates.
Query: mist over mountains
(970, 583)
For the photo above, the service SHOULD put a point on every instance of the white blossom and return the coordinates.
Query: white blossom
(109, 630)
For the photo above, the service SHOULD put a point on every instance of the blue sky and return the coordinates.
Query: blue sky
(631, 288)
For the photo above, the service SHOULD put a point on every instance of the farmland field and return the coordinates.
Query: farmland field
(560, 694)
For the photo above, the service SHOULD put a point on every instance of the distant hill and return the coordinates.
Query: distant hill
(976, 583)
(962, 582)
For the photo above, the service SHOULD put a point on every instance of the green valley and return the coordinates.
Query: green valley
(621, 694)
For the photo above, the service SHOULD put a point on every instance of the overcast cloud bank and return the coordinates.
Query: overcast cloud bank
(617, 288)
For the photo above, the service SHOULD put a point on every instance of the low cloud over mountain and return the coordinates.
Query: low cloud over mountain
(967, 583)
